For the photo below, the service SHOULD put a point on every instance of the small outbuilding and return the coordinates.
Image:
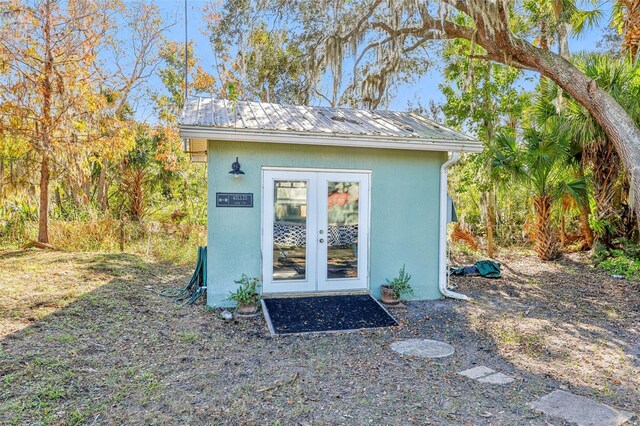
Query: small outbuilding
(318, 199)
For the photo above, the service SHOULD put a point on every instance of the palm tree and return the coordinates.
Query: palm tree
(622, 80)
(545, 113)
(540, 164)
(626, 18)
(554, 20)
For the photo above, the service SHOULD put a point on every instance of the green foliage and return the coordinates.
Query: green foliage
(169, 104)
(540, 162)
(602, 226)
(620, 78)
(276, 66)
(15, 215)
(400, 284)
(486, 100)
(247, 292)
(620, 263)
(623, 260)
(481, 97)
(268, 64)
(512, 200)
(629, 247)
(189, 336)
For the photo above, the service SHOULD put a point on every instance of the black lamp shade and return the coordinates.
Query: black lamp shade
(235, 168)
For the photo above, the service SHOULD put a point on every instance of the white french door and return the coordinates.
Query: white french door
(315, 231)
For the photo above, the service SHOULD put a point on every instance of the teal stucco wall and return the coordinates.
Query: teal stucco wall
(404, 210)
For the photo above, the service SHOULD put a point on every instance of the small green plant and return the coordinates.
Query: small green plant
(189, 336)
(621, 264)
(247, 292)
(622, 260)
(77, 417)
(400, 284)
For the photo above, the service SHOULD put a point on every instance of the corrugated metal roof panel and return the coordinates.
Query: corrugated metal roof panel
(208, 113)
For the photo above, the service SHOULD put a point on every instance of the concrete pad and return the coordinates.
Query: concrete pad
(580, 410)
(496, 379)
(423, 348)
(477, 372)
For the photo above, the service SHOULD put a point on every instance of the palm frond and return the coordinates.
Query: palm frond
(582, 20)
(575, 189)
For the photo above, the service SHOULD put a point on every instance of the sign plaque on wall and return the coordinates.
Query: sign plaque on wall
(234, 199)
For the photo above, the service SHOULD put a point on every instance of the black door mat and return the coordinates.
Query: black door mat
(325, 313)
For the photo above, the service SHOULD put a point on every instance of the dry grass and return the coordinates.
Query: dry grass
(34, 287)
(565, 320)
(86, 339)
(166, 241)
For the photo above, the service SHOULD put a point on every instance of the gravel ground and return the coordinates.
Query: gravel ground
(86, 339)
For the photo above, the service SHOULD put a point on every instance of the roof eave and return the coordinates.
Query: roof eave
(334, 139)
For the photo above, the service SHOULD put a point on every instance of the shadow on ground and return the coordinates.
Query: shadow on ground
(119, 353)
(564, 319)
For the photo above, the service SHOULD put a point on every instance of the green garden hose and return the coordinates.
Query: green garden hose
(197, 286)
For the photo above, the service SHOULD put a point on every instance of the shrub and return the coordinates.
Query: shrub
(15, 216)
(620, 263)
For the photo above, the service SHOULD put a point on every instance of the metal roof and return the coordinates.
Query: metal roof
(220, 119)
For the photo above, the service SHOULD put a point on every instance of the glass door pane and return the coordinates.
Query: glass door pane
(343, 199)
(290, 230)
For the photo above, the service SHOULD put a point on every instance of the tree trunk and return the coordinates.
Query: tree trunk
(629, 225)
(585, 228)
(563, 234)
(134, 184)
(491, 225)
(489, 126)
(86, 187)
(585, 211)
(58, 200)
(606, 167)
(121, 234)
(544, 41)
(76, 186)
(1, 178)
(103, 202)
(546, 245)
(563, 47)
(47, 94)
(12, 176)
(632, 28)
(43, 214)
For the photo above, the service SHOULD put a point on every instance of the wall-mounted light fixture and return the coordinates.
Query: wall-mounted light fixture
(235, 169)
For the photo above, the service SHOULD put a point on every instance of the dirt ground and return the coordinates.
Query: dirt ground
(86, 339)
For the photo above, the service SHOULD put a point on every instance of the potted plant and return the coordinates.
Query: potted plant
(246, 296)
(393, 290)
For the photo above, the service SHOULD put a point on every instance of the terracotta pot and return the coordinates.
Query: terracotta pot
(387, 295)
(249, 309)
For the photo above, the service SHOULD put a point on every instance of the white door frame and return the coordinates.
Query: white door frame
(362, 280)
(286, 286)
(316, 252)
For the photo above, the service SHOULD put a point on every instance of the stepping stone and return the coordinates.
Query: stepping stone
(423, 348)
(580, 410)
(476, 372)
(496, 379)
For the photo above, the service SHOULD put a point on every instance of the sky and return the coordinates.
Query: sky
(424, 90)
